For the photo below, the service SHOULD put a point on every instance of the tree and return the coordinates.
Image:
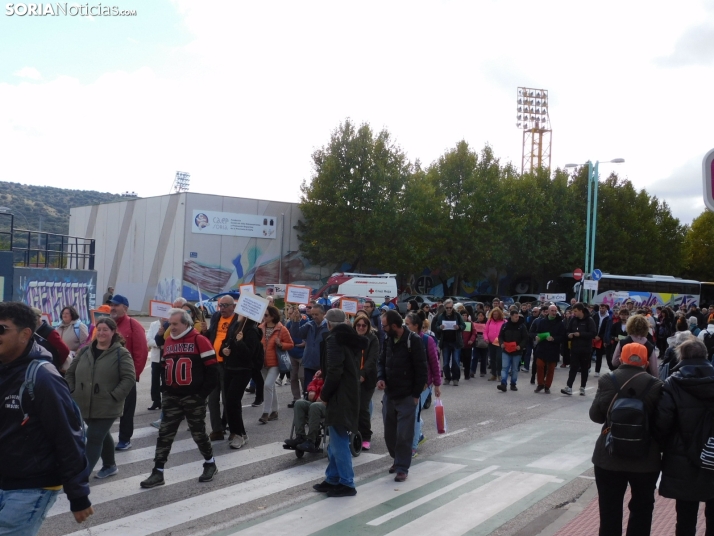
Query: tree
(353, 207)
(698, 245)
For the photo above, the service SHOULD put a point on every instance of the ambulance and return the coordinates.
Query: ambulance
(376, 287)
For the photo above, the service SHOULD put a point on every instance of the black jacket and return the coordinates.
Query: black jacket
(241, 352)
(548, 351)
(343, 354)
(586, 328)
(48, 450)
(685, 396)
(648, 462)
(213, 326)
(402, 366)
(514, 332)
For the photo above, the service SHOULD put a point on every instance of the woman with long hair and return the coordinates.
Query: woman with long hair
(367, 375)
(490, 333)
(239, 352)
(276, 338)
(100, 378)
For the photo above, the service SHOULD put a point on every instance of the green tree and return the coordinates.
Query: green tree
(698, 245)
(353, 208)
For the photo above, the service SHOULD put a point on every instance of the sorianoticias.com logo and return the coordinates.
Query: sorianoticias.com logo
(64, 9)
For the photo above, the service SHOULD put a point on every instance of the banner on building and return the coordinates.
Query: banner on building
(211, 222)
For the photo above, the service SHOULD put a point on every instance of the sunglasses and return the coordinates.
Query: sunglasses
(361, 325)
(4, 328)
(226, 305)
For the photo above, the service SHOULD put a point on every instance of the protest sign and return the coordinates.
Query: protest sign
(252, 306)
(297, 294)
(159, 309)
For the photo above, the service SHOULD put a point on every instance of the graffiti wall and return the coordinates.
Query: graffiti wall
(649, 299)
(51, 290)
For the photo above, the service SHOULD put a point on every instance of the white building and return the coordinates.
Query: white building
(159, 248)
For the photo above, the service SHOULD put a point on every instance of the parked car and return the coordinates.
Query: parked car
(211, 304)
(525, 298)
(421, 299)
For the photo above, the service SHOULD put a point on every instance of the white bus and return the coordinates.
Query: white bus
(644, 289)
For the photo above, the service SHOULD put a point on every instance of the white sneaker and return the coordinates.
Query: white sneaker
(597, 374)
(582, 391)
(567, 391)
(286, 381)
(238, 442)
(279, 382)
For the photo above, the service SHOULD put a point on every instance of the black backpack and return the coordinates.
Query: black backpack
(701, 450)
(628, 434)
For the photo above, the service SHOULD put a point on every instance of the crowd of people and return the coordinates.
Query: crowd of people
(658, 358)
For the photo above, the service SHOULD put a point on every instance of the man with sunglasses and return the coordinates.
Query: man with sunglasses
(41, 438)
(221, 322)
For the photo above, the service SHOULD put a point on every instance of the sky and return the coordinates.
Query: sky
(240, 94)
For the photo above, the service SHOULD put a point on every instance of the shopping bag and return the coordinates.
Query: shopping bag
(510, 347)
(440, 417)
(284, 364)
(597, 343)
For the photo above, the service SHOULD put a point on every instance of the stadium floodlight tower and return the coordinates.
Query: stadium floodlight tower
(181, 182)
(534, 120)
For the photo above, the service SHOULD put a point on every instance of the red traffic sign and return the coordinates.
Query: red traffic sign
(577, 274)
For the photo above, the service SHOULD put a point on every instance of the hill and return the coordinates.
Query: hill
(47, 207)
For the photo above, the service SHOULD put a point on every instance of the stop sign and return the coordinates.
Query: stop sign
(577, 274)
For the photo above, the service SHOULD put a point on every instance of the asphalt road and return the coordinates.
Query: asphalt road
(511, 431)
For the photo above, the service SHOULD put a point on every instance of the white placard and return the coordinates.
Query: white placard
(248, 288)
(297, 294)
(232, 224)
(590, 285)
(551, 297)
(252, 306)
(159, 309)
(349, 307)
(448, 325)
(275, 290)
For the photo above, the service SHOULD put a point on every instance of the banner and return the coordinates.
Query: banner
(551, 297)
(348, 306)
(252, 306)
(248, 288)
(231, 224)
(297, 294)
(159, 309)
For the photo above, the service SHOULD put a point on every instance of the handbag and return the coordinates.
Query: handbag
(480, 341)
(284, 364)
(440, 416)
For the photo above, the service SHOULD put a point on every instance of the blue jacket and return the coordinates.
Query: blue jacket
(312, 335)
(48, 450)
(294, 329)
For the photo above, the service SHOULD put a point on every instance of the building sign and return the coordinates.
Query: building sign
(232, 224)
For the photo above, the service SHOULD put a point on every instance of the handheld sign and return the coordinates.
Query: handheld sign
(252, 306)
(590, 285)
(159, 309)
(348, 306)
(297, 294)
(247, 288)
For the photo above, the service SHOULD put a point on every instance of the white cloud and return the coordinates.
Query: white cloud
(29, 72)
(261, 86)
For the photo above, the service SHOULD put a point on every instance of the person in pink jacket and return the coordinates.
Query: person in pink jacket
(414, 322)
(490, 333)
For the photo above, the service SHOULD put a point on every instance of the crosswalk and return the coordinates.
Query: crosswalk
(263, 489)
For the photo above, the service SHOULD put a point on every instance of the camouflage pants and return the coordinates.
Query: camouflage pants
(175, 408)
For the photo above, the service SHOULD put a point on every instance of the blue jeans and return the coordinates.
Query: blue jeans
(510, 362)
(339, 468)
(419, 422)
(22, 511)
(452, 362)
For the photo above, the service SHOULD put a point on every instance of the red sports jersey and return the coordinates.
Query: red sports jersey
(185, 360)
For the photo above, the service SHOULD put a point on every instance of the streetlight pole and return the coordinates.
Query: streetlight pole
(591, 213)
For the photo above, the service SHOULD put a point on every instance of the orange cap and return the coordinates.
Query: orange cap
(634, 354)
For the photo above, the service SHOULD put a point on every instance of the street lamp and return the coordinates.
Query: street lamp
(591, 227)
(8, 210)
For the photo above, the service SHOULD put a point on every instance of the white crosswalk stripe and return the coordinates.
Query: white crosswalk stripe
(176, 513)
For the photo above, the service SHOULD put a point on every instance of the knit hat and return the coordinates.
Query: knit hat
(335, 316)
(634, 354)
